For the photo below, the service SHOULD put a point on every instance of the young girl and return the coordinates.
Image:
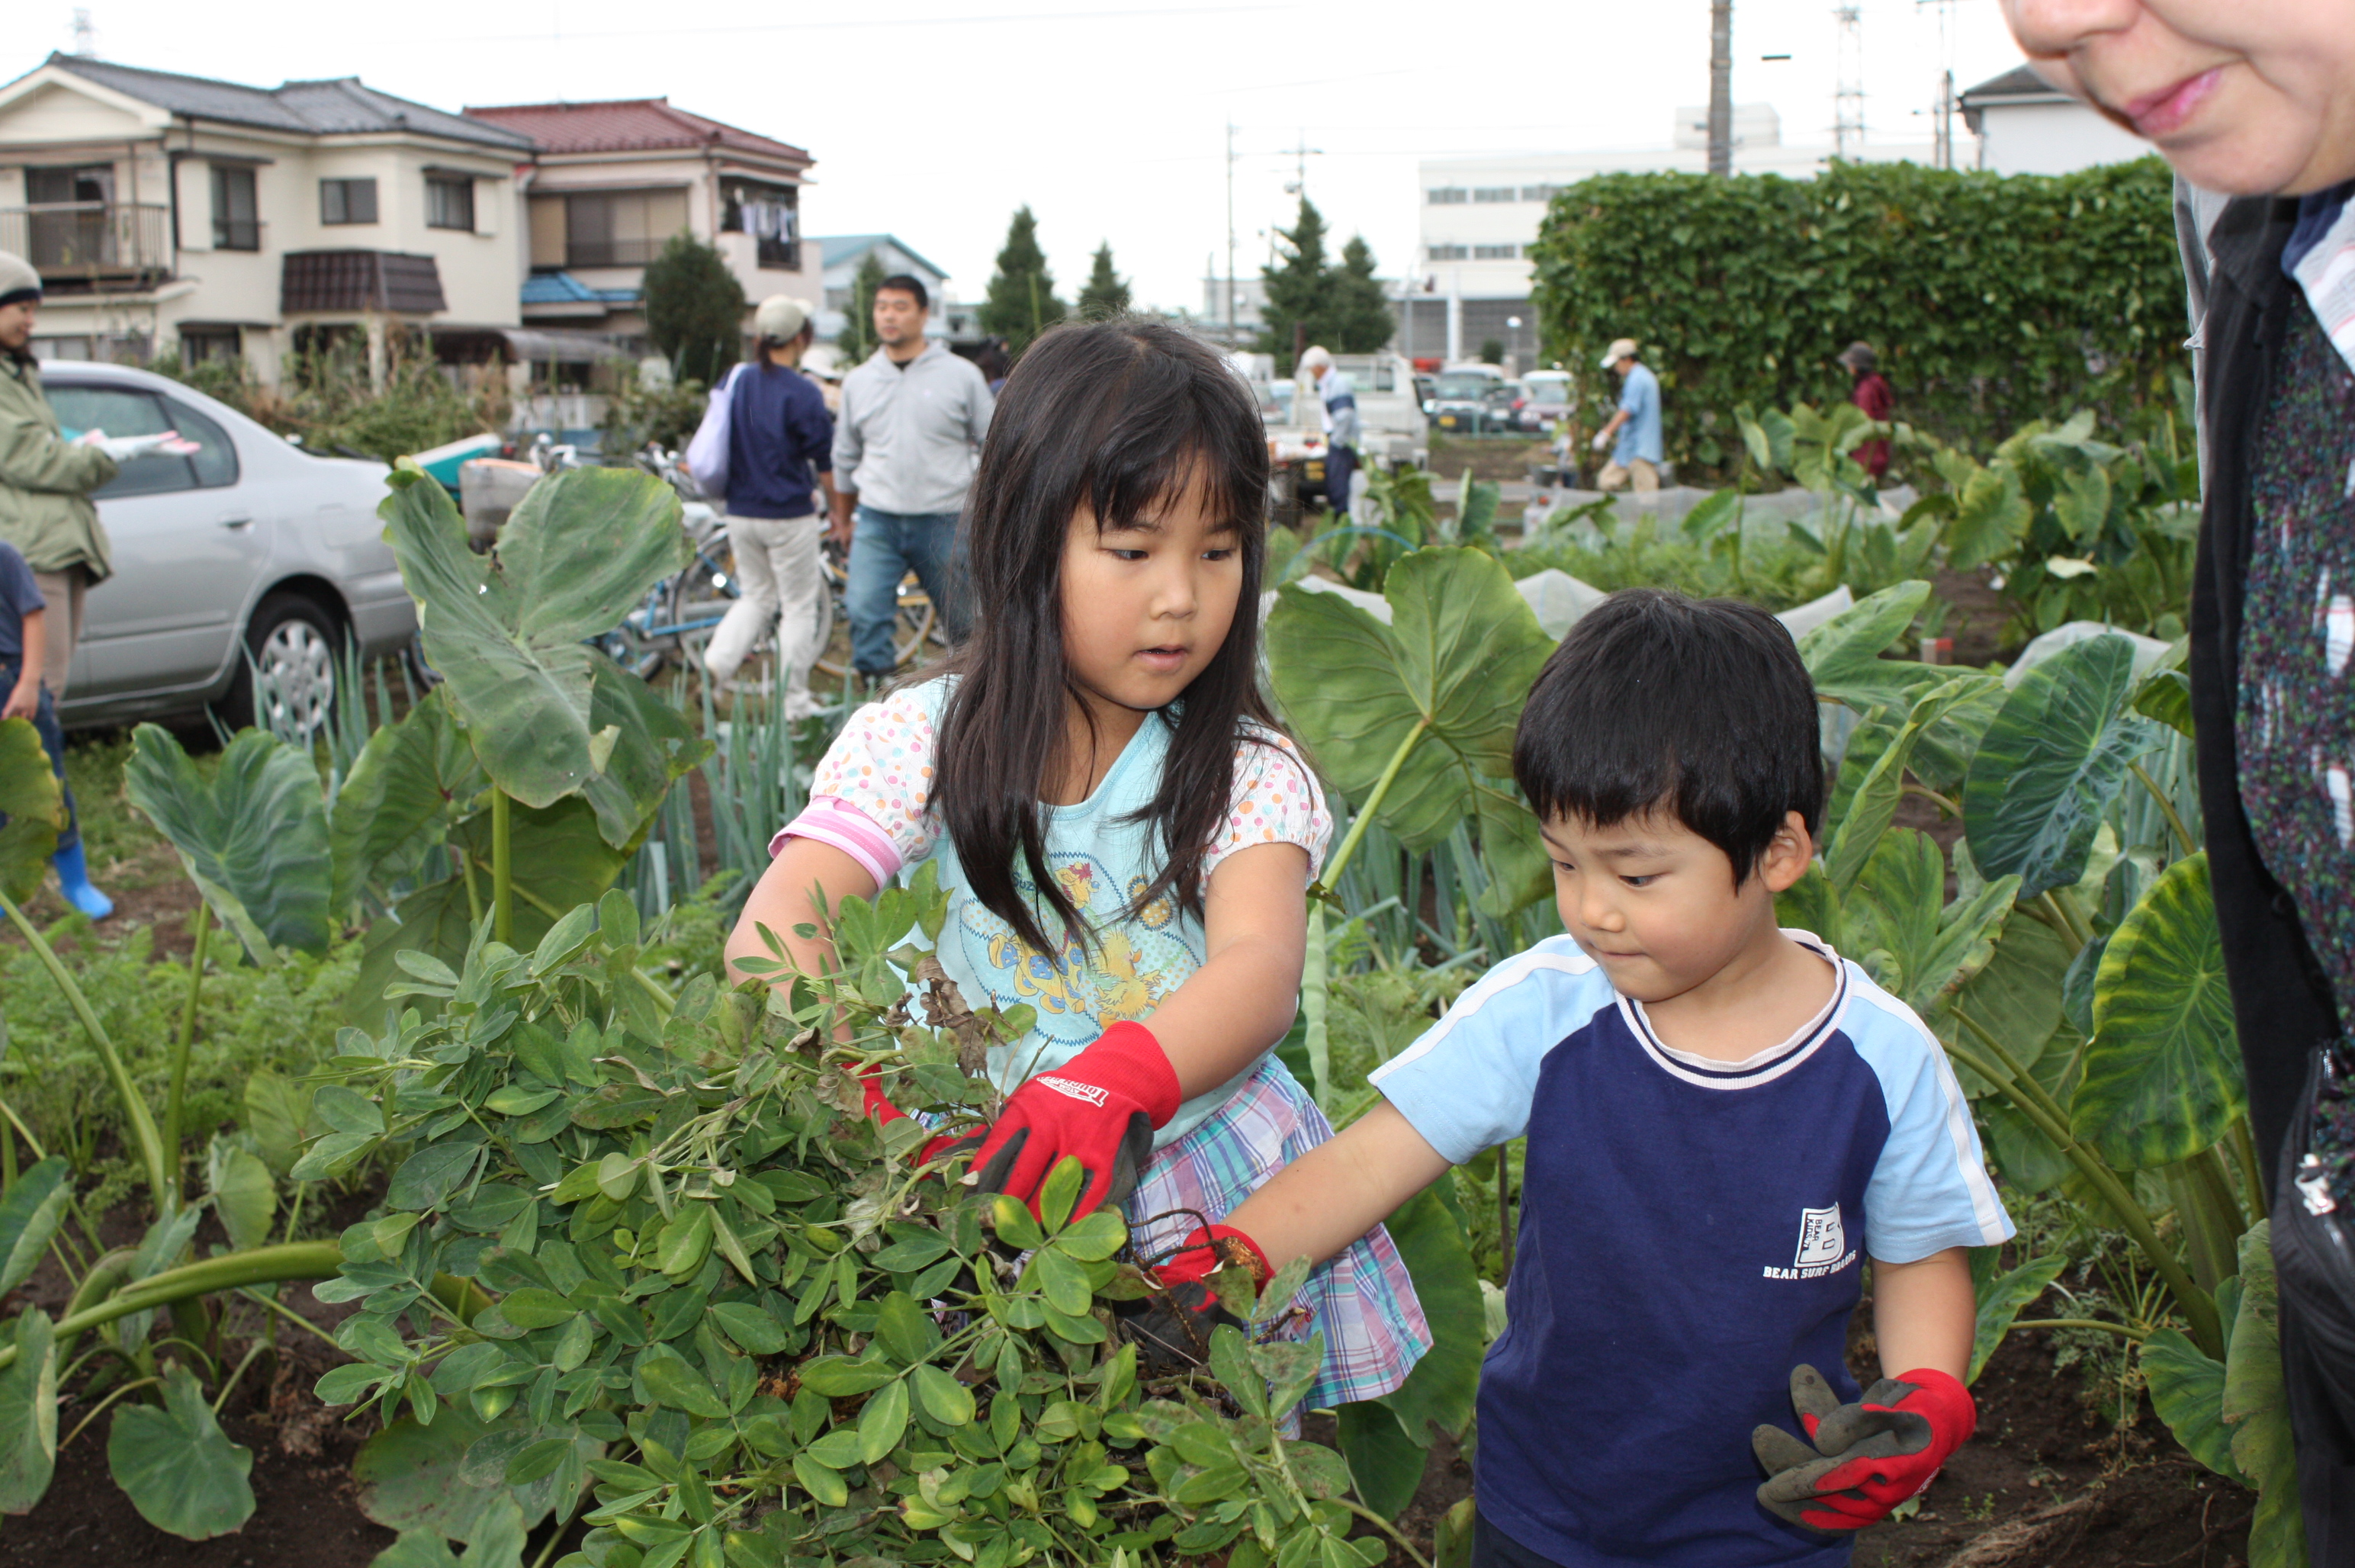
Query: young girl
(1124, 834)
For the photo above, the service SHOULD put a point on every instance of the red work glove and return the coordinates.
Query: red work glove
(1867, 1457)
(879, 1106)
(1103, 1106)
(1172, 1331)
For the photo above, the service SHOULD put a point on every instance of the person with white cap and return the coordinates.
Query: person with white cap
(1635, 427)
(1337, 398)
(780, 456)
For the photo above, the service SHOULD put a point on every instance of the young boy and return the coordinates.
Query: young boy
(24, 696)
(1724, 1119)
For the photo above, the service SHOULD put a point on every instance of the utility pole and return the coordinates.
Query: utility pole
(1944, 114)
(1303, 153)
(1847, 99)
(1720, 87)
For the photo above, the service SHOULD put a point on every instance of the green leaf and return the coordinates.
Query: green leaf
(2016, 997)
(686, 1241)
(2256, 1407)
(276, 1108)
(749, 1328)
(532, 1307)
(427, 1178)
(1230, 1364)
(28, 1414)
(823, 1485)
(882, 1421)
(2166, 697)
(2001, 1298)
(253, 837)
(1843, 655)
(946, 1400)
(2051, 763)
(1386, 1464)
(1013, 1224)
(2187, 1389)
(906, 1330)
(242, 1192)
(682, 1386)
(1092, 1239)
(411, 781)
(1058, 1192)
(417, 1549)
(507, 631)
(409, 1480)
(29, 1216)
(34, 805)
(1991, 517)
(2163, 1071)
(1899, 908)
(177, 1466)
(655, 746)
(1446, 679)
(1064, 1282)
(1430, 1232)
(838, 1377)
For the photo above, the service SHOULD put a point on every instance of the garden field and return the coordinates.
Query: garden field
(395, 1181)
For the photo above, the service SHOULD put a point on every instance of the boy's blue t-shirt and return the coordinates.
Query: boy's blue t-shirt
(1689, 1232)
(19, 597)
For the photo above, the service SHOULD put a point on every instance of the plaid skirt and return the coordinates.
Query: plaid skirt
(1361, 1300)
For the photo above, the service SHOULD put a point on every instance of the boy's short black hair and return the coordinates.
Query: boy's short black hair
(907, 285)
(1697, 708)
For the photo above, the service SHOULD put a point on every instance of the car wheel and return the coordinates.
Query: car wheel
(287, 684)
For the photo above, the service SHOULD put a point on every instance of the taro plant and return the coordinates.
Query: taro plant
(724, 1316)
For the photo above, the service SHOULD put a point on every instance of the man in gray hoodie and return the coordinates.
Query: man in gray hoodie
(905, 444)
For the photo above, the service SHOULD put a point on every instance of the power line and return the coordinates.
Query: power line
(864, 25)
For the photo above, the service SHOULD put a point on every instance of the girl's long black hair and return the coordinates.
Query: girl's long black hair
(1117, 415)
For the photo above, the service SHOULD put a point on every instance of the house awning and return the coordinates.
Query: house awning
(530, 345)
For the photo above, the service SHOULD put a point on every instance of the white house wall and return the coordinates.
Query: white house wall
(2051, 139)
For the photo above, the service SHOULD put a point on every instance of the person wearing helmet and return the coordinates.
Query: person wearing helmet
(780, 457)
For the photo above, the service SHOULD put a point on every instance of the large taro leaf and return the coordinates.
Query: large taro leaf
(1991, 517)
(1385, 1439)
(1872, 780)
(1921, 948)
(2187, 1389)
(253, 837)
(2256, 1407)
(414, 1480)
(2163, 1071)
(411, 779)
(28, 1414)
(2016, 998)
(655, 746)
(561, 861)
(35, 806)
(1843, 655)
(2000, 1297)
(29, 1216)
(1452, 670)
(2051, 764)
(177, 1466)
(506, 630)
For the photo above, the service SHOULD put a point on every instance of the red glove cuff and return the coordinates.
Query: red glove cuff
(1952, 1414)
(878, 1104)
(1209, 1249)
(1127, 1059)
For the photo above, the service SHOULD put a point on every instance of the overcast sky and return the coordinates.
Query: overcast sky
(1108, 119)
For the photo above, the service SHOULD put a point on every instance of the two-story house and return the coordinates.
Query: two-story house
(166, 211)
(611, 182)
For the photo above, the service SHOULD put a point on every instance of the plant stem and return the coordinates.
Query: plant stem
(230, 1383)
(2244, 1151)
(288, 1313)
(134, 1109)
(1379, 1522)
(173, 1099)
(502, 868)
(2029, 1097)
(1340, 861)
(653, 987)
(2182, 834)
(129, 1387)
(2120, 1329)
(2062, 922)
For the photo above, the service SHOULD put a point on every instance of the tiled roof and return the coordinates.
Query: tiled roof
(840, 248)
(342, 106)
(626, 125)
(563, 288)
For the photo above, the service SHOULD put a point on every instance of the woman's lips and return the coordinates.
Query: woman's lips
(2154, 114)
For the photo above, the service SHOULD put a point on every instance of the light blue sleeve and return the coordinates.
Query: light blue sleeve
(1634, 393)
(1468, 1084)
(1931, 1190)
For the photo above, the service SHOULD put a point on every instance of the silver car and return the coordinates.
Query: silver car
(247, 557)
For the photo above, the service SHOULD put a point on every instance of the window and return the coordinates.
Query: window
(620, 228)
(349, 201)
(1540, 192)
(450, 201)
(199, 345)
(236, 223)
(119, 410)
(1495, 252)
(1450, 253)
(771, 214)
(1496, 193)
(71, 224)
(1447, 196)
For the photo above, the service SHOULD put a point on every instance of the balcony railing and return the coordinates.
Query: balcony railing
(97, 242)
(587, 253)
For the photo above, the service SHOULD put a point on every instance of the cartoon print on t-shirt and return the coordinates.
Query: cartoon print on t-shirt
(1137, 961)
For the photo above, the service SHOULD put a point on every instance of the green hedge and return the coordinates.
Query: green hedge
(1992, 299)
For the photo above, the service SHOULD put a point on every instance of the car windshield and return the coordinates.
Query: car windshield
(1549, 389)
(1473, 387)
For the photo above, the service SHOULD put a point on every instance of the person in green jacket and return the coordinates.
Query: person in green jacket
(46, 512)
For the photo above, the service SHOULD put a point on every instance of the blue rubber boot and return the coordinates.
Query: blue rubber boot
(73, 881)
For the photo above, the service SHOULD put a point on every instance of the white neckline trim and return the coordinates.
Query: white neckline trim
(1766, 1065)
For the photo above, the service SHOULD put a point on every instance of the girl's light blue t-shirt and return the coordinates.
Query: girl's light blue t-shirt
(1103, 858)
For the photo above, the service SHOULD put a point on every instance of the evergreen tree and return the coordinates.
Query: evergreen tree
(1297, 286)
(1106, 292)
(695, 309)
(858, 339)
(1021, 302)
(1361, 318)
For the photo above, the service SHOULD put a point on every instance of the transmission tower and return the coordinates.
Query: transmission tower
(85, 34)
(1848, 98)
(1720, 87)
